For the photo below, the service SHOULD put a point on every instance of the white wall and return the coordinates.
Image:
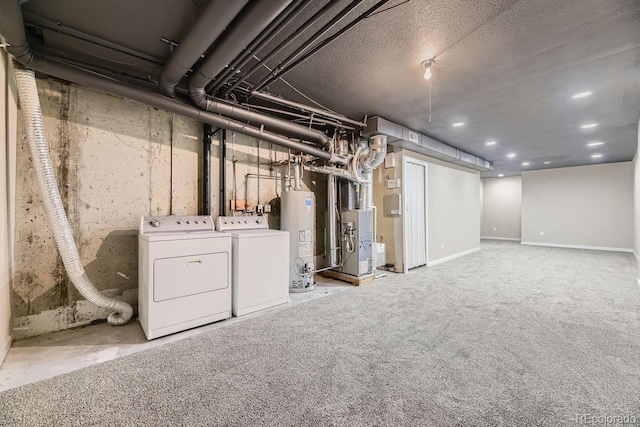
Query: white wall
(501, 207)
(453, 210)
(584, 206)
(636, 203)
(7, 186)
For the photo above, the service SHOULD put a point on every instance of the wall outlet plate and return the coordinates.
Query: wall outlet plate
(542, 233)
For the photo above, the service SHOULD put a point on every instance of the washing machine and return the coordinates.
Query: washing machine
(260, 263)
(184, 274)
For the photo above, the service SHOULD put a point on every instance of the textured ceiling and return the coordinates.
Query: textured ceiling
(505, 68)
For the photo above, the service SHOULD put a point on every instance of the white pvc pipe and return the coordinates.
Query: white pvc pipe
(32, 115)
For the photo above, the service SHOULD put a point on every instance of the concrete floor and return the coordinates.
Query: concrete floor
(46, 356)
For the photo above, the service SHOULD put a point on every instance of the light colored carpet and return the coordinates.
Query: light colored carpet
(511, 335)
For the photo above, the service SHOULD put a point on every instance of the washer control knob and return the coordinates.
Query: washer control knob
(188, 222)
(179, 222)
(257, 221)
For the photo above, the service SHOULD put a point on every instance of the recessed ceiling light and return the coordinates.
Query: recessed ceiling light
(589, 125)
(500, 175)
(458, 124)
(596, 156)
(491, 142)
(547, 162)
(594, 144)
(511, 155)
(525, 163)
(581, 95)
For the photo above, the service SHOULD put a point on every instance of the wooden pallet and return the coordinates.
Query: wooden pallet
(356, 281)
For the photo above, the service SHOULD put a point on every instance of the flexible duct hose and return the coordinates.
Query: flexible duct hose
(30, 105)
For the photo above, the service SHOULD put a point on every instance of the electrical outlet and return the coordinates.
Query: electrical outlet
(259, 209)
(267, 208)
(494, 229)
(542, 233)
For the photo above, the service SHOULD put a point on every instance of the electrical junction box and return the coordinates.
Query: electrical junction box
(392, 205)
(393, 183)
(389, 161)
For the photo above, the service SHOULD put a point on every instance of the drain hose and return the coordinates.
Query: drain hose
(30, 105)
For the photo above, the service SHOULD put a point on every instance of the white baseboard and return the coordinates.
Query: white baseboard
(450, 257)
(4, 349)
(593, 248)
(514, 239)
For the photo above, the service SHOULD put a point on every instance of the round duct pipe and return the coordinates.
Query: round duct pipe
(30, 105)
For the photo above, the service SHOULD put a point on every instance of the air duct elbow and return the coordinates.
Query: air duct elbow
(376, 154)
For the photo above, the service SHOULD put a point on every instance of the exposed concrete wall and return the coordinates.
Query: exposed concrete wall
(8, 114)
(114, 163)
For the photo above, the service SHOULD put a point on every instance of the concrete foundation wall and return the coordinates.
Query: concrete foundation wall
(114, 163)
(8, 113)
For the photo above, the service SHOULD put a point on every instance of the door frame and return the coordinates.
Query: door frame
(405, 161)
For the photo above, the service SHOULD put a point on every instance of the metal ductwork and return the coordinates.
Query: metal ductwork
(411, 140)
(213, 20)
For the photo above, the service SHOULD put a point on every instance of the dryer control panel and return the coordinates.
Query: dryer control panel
(175, 224)
(230, 223)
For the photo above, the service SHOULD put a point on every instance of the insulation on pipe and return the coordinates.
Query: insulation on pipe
(12, 34)
(32, 115)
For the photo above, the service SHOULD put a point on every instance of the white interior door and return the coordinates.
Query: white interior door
(415, 196)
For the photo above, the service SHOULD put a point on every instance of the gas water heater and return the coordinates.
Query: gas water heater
(298, 218)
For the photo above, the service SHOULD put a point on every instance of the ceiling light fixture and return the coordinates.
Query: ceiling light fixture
(589, 125)
(491, 142)
(581, 95)
(500, 175)
(594, 144)
(511, 155)
(525, 163)
(596, 156)
(427, 64)
(458, 124)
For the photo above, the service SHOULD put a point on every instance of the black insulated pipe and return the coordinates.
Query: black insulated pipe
(212, 21)
(223, 172)
(314, 38)
(274, 28)
(319, 14)
(280, 73)
(246, 27)
(207, 134)
(13, 35)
